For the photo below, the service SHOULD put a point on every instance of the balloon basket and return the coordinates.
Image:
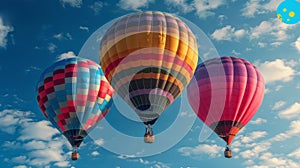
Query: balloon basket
(148, 138)
(227, 153)
(75, 155)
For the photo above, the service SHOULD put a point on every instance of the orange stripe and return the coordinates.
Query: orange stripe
(133, 64)
(134, 42)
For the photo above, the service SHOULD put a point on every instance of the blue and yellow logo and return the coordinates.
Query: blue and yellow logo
(289, 11)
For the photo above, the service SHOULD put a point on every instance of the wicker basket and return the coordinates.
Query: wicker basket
(149, 138)
(75, 155)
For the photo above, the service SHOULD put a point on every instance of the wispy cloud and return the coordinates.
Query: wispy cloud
(97, 7)
(20, 166)
(72, 3)
(267, 29)
(253, 136)
(228, 33)
(99, 142)
(84, 28)
(52, 47)
(211, 150)
(279, 67)
(204, 8)
(180, 5)
(95, 153)
(132, 158)
(294, 129)
(269, 160)
(258, 121)
(133, 4)
(63, 36)
(297, 44)
(4, 30)
(255, 150)
(256, 7)
(32, 68)
(234, 52)
(278, 105)
(291, 112)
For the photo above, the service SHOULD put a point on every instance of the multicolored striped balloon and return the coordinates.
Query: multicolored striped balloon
(74, 95)
(149, 58)
(238, 92)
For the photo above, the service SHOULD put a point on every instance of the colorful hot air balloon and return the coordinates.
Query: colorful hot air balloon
(74, 95)
(242, 89)
(149, 58)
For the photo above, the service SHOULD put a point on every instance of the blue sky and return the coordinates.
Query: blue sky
(34, 34)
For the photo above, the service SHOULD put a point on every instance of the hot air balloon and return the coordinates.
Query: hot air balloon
(237, 97)
(74, 95)
(149, 58)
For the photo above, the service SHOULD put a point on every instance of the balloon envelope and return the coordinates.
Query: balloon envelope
(74, 95)
(149, 58)
(239, 95)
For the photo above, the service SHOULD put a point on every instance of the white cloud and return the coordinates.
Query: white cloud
(267, 28)
(97, 6)
(295, 154)
(240, 33)
(133, 4)
(152, 164)
(52, 47)
(181, 5)
(278, 105)
(278, 87)
(4, 30)
(10, 119)
(258, 121)
(34, 144)
(222, 17)
(20, 166)
(261, 45)
(69, 54)
(211, 150)
(253, 7)
(72, 3)
(45, 156)
(35, 138)
(256, 150)
(63, 36)
(283, 72)
(42, 131)
(291, 112)
(294, 129)
(99, 142)
(253, 136)
(228, 33)
(297, 44)
(268, 160)
(204, 8)
(84, 28)
(32, 68)
(235, 53)
(276, 44)
(95, 153)
(20, 159)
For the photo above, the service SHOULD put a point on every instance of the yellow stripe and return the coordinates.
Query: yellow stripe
(138, 63)
(142, 40)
